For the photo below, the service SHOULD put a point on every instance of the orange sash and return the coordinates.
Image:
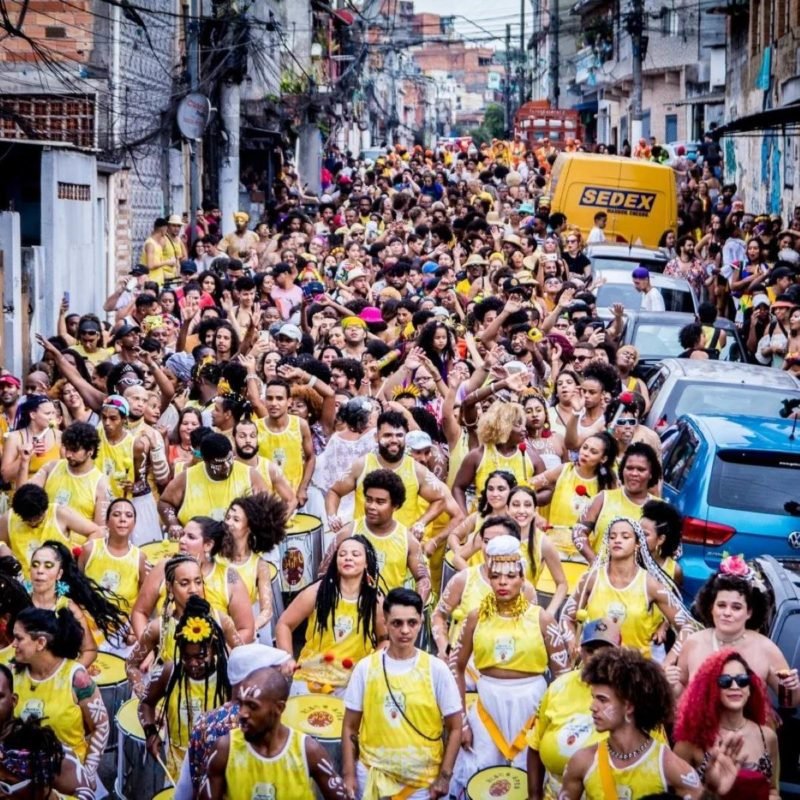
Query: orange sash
(604, 770)
(509, 751)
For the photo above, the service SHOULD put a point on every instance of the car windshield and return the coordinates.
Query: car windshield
(748, 480)
(656, 341)
(710, 398)
(674, 299)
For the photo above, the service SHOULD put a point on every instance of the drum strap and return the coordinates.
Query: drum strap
(509, 751)
(604, 770)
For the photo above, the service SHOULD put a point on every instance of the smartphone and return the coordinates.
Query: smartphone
(66, 298)
(263, 336)
(131, 284)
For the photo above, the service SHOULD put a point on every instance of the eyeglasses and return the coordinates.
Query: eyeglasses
(572, 241)
(726, 681)
(630, 422)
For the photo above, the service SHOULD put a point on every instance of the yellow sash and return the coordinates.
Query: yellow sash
(509, 751)
(604, 770)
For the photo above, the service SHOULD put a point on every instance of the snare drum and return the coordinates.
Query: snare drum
(108, 672)
(137, 777)
(167, 794)
(156, 551)
(301, 552)
(573, 572)
(448, 569)
(267, 634)
(320, 716)
(505, 783)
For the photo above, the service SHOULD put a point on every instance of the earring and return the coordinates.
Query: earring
(62, 589)
(546, 432)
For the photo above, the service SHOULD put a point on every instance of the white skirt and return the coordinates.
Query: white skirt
(148, 524)
(510, 702)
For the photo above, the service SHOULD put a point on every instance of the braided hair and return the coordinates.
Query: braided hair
(13, 597)
(197, 625)
(329, 593)
(170, 567)
(266, 515)
(104, 606)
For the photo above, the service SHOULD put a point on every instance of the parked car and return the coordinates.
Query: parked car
(655, 336)
(687, 386)
(617, 287)
(612, 255)
(688, 147)
(781, 578)
(736, 480)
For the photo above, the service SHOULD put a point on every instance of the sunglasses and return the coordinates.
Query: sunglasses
(726, 681)
(623, 422)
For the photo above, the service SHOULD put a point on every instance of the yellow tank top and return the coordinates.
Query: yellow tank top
(181, 719)
(284, 448)
(166, 648)
(408, 513)
(6, 654)
(157, 273)
(628, 607)
(118, 574)
(457, 455)
(24, 539)
(216, 585)
(247, 571)
(563, 726)
(640, 779)
(250, 776)
(518, 464)
(475, 589)
(204, 497)
(38, 461)
(263, 471)
(76, 491)
(387, 741)
(51, 699)
(511, 643)
(615, 504)
(171, 249)
(115, 460)
(567, 506)
(343, 640)
(391, 552)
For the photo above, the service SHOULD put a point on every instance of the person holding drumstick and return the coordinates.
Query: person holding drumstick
(254, 526)
(398, 551)
(345, 620)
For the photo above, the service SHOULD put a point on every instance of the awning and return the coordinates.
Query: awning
(787, 116)
(586, 105)
(702, 100)
(343, 16)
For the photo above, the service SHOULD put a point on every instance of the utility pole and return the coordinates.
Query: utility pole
(507, 83)
(229, 107)
(635, 26)
(193, 68)
(554, 55)
(522, 51)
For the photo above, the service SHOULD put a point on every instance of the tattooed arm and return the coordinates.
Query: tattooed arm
(556, 642)
(450, 599)
(569, 614)
(418, 567)
(156, 689)
(239, 608)
(671, 607)
(329, 782)
(464, 652)
(264, 587)
(95, 719)
(213, 786)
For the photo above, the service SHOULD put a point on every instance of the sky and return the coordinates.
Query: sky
(493, 16)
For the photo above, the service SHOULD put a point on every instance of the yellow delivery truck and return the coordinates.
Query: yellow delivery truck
(639, 197)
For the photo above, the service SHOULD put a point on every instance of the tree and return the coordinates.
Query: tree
(494, 121)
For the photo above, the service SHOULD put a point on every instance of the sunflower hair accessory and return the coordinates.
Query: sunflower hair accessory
(535, 335)
(196, 630)
(405, 391)
(223, 387)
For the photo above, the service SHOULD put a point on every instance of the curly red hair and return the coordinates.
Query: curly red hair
(698, 712)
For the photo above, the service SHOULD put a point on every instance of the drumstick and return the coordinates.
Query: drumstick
(166, 771)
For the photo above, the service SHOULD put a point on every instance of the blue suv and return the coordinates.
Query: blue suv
(736, 480)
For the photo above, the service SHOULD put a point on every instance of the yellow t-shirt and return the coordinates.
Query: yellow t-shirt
(76, 491)
(118, 574)
(567, 506)
(247, 571)
(24, 539)
(511, 643)
(249, 775)
(284, 448)
(98, 356)
(115, 460)
(342, 639)
(408, 513)
(391, 551)
(209, 498)
(518, 464)
(52, 699)
(615, 504)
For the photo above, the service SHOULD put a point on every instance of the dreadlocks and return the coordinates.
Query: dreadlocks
(169, 603)
(330, 593)
(198, 626)
(102, 605)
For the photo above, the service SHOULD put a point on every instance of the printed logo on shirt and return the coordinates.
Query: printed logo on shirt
(33, 709)
(573, 735)
(110, 580)
(617, 612)
(504, 649)
(342, 628)
(264, 791)
(63, 497)
(392, 712)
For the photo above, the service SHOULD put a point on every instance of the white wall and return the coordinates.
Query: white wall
(10, 246)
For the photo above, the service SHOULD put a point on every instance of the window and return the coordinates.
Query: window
(679, 461)
(670, 128)
(670, 22)
(654, 387)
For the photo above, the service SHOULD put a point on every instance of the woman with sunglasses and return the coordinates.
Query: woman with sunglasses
(732, 604)
(725, 696)
(639, 472)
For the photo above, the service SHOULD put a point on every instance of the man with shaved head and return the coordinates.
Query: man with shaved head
(263, 757)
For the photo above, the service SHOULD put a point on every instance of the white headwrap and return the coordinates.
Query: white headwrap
(503, 555)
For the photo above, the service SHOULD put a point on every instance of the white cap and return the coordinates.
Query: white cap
(418, 440)
(245, 660)
(291, 331)
(760, 300)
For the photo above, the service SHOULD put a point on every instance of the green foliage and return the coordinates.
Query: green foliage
(494, 121)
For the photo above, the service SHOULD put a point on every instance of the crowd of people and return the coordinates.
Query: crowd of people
(362, 495)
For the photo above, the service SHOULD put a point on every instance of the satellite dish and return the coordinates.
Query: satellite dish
(194, 112)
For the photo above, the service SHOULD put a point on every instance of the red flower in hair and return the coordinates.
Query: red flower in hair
(581, 490)
(76, 552)
(522, 447)
(329, 657)
(626, 398)
(347, 663)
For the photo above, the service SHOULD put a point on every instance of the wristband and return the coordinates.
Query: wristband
(312, 381)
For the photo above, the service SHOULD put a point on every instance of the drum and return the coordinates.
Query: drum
(108, 672)
(137, 777)
(573, 571)
(320, 716)
(505, 783)
(156, 551)
(301, 552)
(448, 569)
(267, 634)
(167, 794)
(470, 698)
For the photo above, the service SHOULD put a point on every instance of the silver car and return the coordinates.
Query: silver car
(617, 287)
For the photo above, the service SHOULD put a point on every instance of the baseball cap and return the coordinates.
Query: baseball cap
(760, 300)
(429, 267)
(418, 440)
(124, 331)
(291, 332)
(188, 267)
(601, 631)
(640, 273)
(247, 658)
(11, 380)
(140, 270)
